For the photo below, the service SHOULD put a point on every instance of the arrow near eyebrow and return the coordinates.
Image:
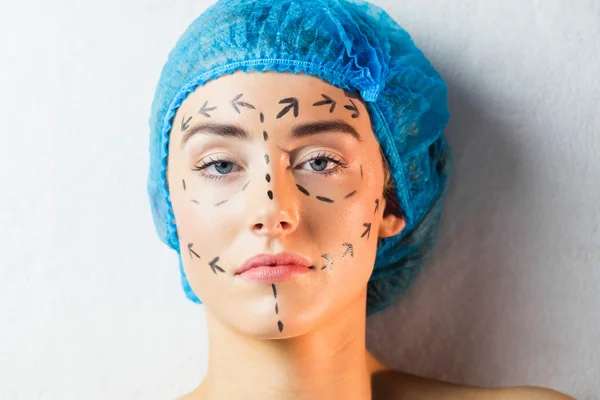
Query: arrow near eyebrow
(328, 100)
(353, 108)
(293, 104)
(235, 103)
(204, 111)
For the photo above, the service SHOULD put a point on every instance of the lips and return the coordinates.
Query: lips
(273, 260)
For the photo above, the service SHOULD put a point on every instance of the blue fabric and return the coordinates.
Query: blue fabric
(352, 45)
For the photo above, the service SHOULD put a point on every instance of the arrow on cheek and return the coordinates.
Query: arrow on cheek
(192, 251)
(214, 266)
(349, 248)
(367, 231)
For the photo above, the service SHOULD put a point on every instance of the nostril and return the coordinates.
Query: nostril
(285, 225)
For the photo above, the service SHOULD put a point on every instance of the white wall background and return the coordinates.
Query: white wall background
(90, 301)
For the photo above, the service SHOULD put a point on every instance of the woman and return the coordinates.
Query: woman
(298, 168)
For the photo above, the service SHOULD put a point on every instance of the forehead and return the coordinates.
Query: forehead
(263, 90)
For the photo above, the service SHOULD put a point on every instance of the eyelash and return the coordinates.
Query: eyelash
(321, 156)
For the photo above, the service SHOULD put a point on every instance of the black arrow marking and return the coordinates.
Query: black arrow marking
(274, 290)
(265, 136)
(214, 266)
(328, 262)
(204, 111)
(361, 172)
(350, 194)
(293, 104)
(353, 108)
(267, 158)
(195, 201)
(367, 231)
(328, 100)
(300, 188)
(184, 123)
(325, 199)
(262, 117)
(183, 180)
(245, 186)
(376, 205)
(268, 178)
(349, 248)
(221, 202)
(270, 194)
(192, 251)
(280, 324)
(235, 103)
(276, 308)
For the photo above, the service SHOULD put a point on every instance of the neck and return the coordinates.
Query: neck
(330, 361)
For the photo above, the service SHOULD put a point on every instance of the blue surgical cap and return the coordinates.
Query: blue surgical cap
(352, 45)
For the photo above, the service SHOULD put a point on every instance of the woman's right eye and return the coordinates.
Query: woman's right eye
(221, 167)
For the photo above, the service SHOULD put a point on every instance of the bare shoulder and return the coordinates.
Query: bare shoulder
(529, 393)
(388, 384)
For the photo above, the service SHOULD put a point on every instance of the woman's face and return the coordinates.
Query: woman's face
(266, 163)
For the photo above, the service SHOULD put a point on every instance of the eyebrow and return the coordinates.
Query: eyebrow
(298, 131)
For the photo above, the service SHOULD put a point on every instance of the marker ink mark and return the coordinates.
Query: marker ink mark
(349, 248)
(192, 251)
(300, 188)
(353, 108)
(183, 180)
(325, 199)
(268, 178)
(235, 103)
(204, 111)
(276, 308)
(376, 205)
(270, 194)
(267, 158)
(361, 172)
(328, 100)
(184, 124)
(293, 103)
(221, 202)
(274, 290)
(328, 261)
(265, 136)
(280, 324)
(195, 201)
(350, 194)
(367, 231)
(214, 266)
(262, 117)
(245, 186)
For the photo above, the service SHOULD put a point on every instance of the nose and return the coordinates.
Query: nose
(275, 206)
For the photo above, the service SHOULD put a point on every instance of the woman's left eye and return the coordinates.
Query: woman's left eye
(320, 163)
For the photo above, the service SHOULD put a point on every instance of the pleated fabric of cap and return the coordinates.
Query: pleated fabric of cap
(353, 45)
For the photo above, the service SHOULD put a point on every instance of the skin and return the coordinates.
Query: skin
(303, 338)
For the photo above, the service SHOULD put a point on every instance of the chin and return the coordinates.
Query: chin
(266, 321)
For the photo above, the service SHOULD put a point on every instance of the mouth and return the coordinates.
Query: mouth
(274, 267)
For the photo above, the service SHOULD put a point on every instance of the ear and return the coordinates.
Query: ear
(391, 225)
